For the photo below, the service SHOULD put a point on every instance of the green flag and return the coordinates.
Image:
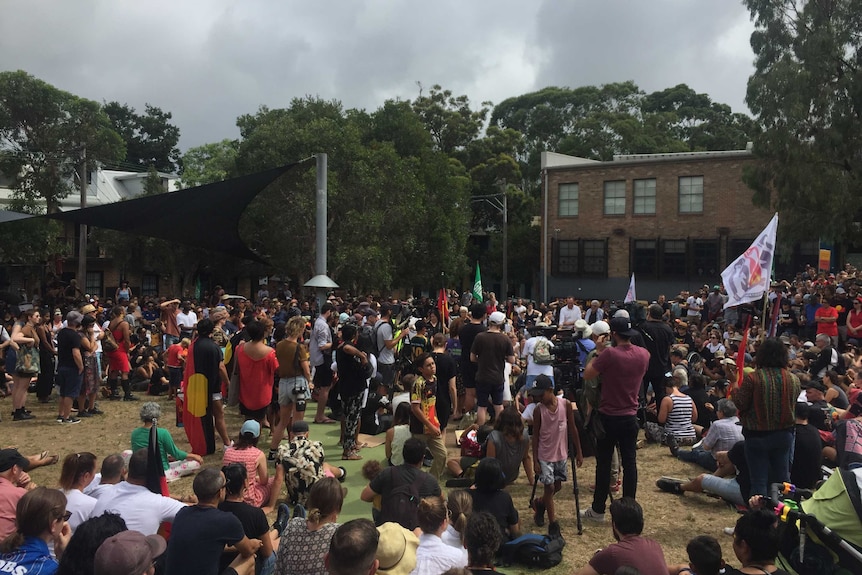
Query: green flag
(477, 286)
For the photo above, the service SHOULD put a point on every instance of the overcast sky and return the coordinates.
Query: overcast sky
(209, 61)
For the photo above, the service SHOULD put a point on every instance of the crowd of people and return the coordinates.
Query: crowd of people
(514, 385)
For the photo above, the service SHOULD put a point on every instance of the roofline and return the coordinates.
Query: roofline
(636, 159)
(140, 175)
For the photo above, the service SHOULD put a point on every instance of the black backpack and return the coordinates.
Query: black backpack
(400, 505)
(533, 550)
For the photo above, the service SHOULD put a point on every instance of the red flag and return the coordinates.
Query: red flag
(740, 354)
(443, 307)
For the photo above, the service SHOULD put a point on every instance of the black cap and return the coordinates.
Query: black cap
(622, 326)
(10, 457)
(543, 382)
(815, 384)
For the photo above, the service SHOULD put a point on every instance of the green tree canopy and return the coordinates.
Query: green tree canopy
(806, 93)
(150, 138)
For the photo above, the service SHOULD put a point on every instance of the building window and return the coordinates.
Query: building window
(615, 198)
(95, 283)
(705, 258)
(673, 256)
(644, 257)
(150, 285)
(569, 194)
(644, 196)
(567, 257)
(595, 257)
(691, 195)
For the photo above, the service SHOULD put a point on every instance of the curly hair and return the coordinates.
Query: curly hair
(771, 353)
(482, 538)
(78, 558)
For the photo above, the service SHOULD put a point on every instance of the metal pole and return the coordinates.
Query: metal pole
(545, 238)
(82, 237)
(320, 226)
(505, 243)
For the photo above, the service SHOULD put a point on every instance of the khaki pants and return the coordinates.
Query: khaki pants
(438, 450)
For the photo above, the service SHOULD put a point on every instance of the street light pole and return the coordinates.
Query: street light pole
(82, 235)
(500, 202)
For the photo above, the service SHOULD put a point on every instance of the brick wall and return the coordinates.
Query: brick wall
(726, 204)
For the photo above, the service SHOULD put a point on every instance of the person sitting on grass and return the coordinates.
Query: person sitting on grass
(631, 548)
(433, 555)
(176, 462)
(490, 496)
(253, 519)
(704, 558)
(263, 490)
(303, 464)
(305, 540)
(482, 539)
(734, 489)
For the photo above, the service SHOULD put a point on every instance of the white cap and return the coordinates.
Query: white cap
(600, 328)
(497, 318)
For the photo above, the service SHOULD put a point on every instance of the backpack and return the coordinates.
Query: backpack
(542, 352)
(401, 504)
(533, 550)
(374, 339)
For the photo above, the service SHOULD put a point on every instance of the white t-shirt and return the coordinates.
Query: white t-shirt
(80, 505)
(695, 304)
(532, 367)
(384, 333)
(570, 316)
(187, 321)
(141, 509)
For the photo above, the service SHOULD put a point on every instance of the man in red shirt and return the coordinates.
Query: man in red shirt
(826, 318)
(12, 468)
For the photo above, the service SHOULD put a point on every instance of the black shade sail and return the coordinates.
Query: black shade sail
(206, 216)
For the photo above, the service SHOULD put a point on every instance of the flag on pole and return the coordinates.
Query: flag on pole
(746, 279)
(631, 295)
(477, 286)
(740, 354)
(443, 307)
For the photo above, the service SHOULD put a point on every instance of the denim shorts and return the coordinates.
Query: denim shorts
(726, 488)
(552, 471)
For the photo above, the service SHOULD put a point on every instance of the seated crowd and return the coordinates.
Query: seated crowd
(792, 413)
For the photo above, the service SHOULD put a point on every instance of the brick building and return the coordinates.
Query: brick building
(674, 220)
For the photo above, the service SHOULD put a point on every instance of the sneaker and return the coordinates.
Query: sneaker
(22, 415)
(554, 530)
(672, 444)
(669, 485)
(299, 511)
(273, 453)
(282, 518)
(343, 475)
(130, 397)
(95, 411)
(85, 414)
(539, 512)
(591, 515)
(71, 420)
(60, 419)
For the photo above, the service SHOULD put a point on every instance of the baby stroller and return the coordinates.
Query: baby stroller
(821, 531)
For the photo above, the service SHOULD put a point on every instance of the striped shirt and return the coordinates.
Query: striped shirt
(679, 419)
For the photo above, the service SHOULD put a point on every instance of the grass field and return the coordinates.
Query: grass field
(671, 520)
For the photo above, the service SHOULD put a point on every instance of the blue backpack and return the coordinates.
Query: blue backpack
(533, 550)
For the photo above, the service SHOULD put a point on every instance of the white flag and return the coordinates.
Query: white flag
(747, 278)
(631, 295)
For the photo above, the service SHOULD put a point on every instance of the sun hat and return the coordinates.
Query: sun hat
(396, 549)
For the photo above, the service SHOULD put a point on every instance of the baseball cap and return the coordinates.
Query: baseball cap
(600, 328)
(127, 552)
(543, 382)
(815, 384)
(250, 426)
(497, 318)
(622, 326)
(10, 457)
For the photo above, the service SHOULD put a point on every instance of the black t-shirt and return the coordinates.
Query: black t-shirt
(658, 338)
(736, 454)
(67, 340)
(467, 335)
(389, 477)
(446, 370)
(492, 349)
(198, 537)
(817, 415)
(499, 504)
(207, 357)
(700, 398)
(807, 455)
(253, 521)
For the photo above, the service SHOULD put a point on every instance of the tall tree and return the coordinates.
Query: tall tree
(150, 137)
(451, 121)
(806, 93)
(209, 163)
(44, 134)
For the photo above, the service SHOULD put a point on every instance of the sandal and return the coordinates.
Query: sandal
(352, 456)
(46, 459)
(326, 420)
(362, 445)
